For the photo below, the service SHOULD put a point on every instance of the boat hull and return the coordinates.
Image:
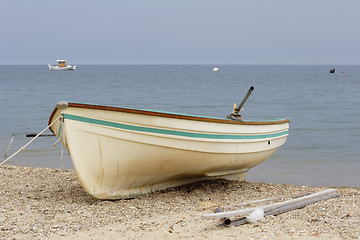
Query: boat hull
(57, 68)
(121, 153)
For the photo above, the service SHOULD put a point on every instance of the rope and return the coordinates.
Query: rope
(59, 133)
(61, 160)
(54, 144)
(22, 148)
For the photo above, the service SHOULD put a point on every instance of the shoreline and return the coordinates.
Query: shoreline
(49, 203)
(265, 172)
(269, 171)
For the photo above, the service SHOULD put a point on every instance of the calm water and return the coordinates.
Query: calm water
(323, 148)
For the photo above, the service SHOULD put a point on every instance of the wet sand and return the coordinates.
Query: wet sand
(43, 203)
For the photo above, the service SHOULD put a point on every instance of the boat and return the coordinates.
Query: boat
(215, 69)
(61, 66)
(121, 153)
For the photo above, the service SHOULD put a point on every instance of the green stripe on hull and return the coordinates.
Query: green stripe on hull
(170, 132)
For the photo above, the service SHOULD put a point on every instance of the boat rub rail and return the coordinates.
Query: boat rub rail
(171, 132)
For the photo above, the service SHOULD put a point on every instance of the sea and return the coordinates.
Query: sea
(322, 149)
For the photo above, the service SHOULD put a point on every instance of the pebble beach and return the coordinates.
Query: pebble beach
(44, 203)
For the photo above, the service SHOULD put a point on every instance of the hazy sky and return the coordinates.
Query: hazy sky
(180, 32)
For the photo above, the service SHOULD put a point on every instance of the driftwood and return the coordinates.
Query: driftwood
(283, 209)
(309, 199)
(260, 201)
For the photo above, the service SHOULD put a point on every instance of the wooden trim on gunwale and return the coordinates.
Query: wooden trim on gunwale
(169, 115)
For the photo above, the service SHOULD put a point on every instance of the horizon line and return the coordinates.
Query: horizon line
(189, 64)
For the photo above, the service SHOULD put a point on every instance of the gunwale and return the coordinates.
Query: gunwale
(168, 115)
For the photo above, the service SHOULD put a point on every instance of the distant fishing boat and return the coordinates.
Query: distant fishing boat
(124, 152)
(61, 66)
(215, 69)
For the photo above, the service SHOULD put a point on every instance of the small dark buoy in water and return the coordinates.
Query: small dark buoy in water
(332, 70)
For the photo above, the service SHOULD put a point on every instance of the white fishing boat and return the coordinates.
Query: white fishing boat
(123, 152)
(215, 69)
(61, 66)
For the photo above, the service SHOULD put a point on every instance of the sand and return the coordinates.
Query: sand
(42, 203)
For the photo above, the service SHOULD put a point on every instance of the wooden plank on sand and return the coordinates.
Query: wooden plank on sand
(269, 207)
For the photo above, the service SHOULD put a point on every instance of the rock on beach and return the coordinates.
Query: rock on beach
(43, 203)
